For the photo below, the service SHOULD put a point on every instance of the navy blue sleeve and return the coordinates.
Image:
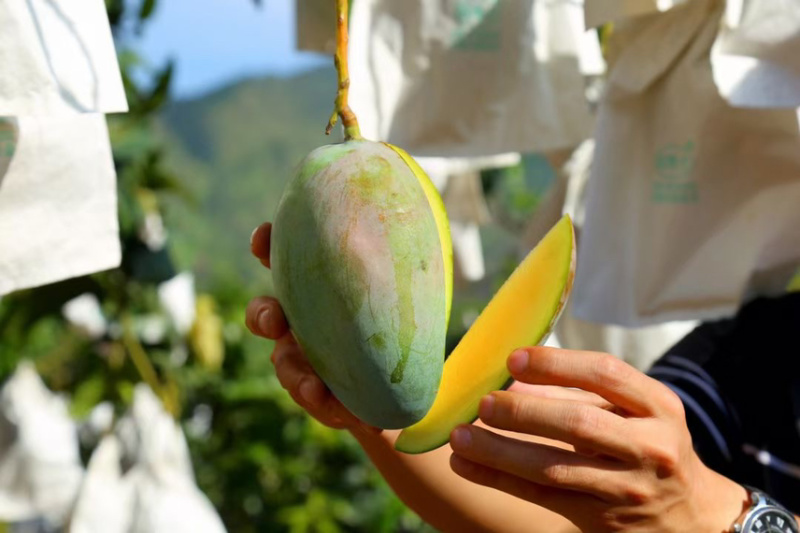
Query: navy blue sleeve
(739, 380)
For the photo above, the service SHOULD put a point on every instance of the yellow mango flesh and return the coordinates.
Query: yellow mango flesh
(522, 313)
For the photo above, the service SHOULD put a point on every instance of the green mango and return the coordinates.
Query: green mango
(362, 264)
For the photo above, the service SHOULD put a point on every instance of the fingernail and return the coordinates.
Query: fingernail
(486, 409)
(461, 438)
(307, 387)
(263, 320)
(518, 361)
(253, 235)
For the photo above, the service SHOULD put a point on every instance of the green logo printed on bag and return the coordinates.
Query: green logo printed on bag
(479, 27)
(7, 139)
(673, 184)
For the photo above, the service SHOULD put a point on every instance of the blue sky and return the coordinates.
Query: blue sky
(218, 41)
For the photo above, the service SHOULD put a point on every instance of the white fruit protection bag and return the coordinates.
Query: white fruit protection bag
(157, 492)
(58, 200)
(58, 205)
(40, 464)
(469, 78)
(693, 204)
(314, 30)
(57, 57)
(755, 57)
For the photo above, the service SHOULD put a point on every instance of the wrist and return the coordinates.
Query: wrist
(723, 500)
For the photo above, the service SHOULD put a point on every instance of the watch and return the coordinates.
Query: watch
(765, 515)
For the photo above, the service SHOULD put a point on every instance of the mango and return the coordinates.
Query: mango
(362, 265)
(522, 313)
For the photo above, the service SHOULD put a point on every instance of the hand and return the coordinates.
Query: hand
(632, 467)
(265, 318)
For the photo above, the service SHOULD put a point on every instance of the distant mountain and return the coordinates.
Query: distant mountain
(234, 149)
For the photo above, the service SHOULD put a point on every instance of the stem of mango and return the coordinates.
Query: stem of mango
(342, 108)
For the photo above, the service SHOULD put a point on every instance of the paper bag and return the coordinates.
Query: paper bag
(167, 499)
(58, 200)
(106, 500)
(316, 25)
(466, 211)
(692, 203)
(57, 57)
(599, 12)
(468, 78)
(40, 466)
(156, 493)
(755, 58)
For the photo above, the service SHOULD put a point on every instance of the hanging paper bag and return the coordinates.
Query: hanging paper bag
(692, 203)
(469, 78)
(58, 200)
(57, 57)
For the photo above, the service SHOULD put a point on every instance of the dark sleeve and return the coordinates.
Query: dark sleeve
(739, 380)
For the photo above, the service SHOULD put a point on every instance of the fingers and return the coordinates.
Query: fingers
(264, 317)
(260, 241)
(600, 373)
(561, 393)
(561, 502)
(304, 386)
(293, 370)
(587, 427)
(298, 378)
(539, 463)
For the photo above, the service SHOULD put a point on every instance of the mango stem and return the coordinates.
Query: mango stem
(342, 107)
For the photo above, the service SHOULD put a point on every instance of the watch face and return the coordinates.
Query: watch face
(772, 521)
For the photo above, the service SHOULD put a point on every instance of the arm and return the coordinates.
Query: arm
(428, 485)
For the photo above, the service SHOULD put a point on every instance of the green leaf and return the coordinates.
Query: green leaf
(88, 394)
(146, 10)
(158, 95)
(115, 10)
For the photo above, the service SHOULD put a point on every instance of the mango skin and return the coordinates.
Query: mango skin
(358, 267)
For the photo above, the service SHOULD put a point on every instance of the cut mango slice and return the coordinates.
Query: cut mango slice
(522, 313)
